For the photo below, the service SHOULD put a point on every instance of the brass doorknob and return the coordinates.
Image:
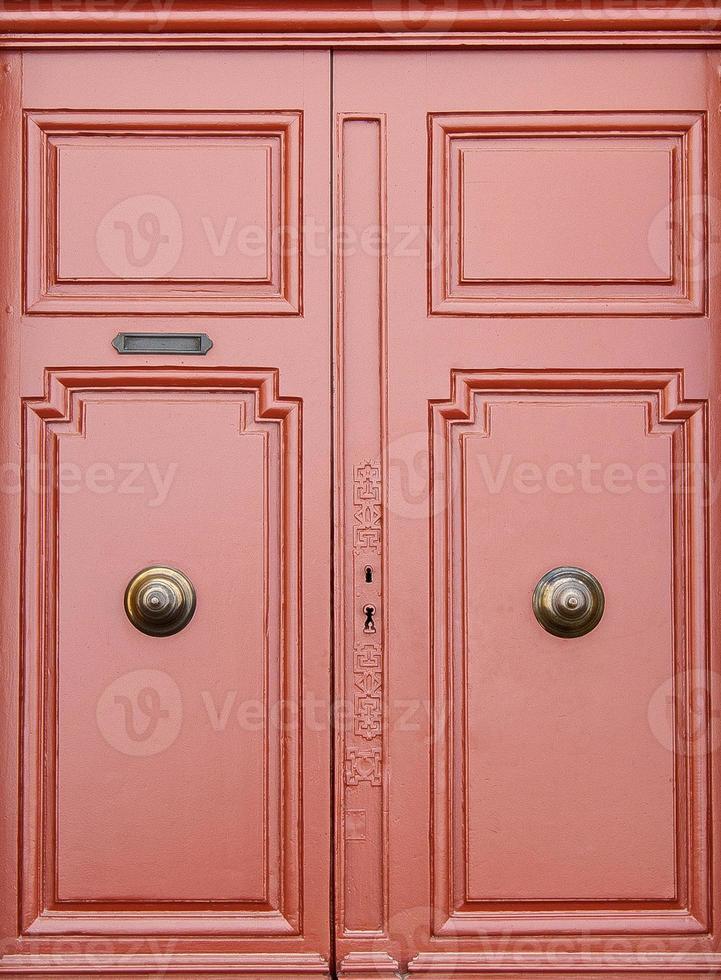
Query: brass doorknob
(568, 601)
(160, 601)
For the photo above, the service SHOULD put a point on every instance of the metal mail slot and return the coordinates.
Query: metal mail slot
(162, 343)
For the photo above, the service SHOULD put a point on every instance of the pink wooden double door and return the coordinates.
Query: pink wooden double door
(464, 314)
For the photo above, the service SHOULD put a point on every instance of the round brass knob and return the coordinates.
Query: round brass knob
(568, 602)
(160, 601)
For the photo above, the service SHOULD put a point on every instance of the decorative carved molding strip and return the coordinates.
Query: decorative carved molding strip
(367, 508)
(368, 653)
(316, 18)
(409, 40)
(363, 766)
(368, 694)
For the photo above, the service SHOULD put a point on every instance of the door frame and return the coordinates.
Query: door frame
(393, 24)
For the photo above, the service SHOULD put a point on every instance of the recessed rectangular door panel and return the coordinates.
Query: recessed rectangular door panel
(221, 814)
(557, 808)
(527, 398)
(165, 792)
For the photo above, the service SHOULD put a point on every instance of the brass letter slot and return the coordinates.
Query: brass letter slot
(162, 343)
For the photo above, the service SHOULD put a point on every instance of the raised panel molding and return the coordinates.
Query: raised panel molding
(609, 965)
(369, 965)
(85, 263)
(457, 914)
(480, 264)
(61, 414)
(213, 966)
(314, 22)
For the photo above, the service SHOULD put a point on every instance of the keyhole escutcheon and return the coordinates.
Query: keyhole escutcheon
(369, 613)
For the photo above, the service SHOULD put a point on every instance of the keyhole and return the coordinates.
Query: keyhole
(369, 612)
(369, 573)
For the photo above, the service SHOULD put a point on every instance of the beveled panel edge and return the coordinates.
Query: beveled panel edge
(214, 966)
(46, 294)
(686, 422)
(447, 297)
(612, 965)
(38, 918)
(368, 965)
